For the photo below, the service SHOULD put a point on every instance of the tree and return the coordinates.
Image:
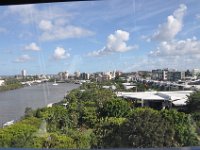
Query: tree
(146, 127)
(193, 102)
(184, 127)
(57, 118)
(89, 114)
(83, 105)
(28, 112)
(54, 140)
(108, 133)
(83, 138)
(116, 107)
(20, 134)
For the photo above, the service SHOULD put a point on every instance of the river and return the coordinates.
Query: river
(14, 102)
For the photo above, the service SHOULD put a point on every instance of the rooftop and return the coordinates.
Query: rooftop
(176, 97)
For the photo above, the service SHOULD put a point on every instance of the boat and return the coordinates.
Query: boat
(55, 83)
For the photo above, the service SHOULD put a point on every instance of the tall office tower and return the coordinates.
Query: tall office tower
(24, 73)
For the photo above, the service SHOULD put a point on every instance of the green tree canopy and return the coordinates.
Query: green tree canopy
(193, 102)
(146, 127)
(19, 134)
(116, 107)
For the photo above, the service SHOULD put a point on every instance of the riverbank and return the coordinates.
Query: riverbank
(14, 102)
(10, 87)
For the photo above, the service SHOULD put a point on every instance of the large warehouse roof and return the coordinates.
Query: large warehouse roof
(176, 97)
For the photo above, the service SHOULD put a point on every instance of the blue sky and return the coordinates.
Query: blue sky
(126, 35)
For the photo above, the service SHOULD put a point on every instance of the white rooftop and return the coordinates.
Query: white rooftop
(176, 97)
(143, 95)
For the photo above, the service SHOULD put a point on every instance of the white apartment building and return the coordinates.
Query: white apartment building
(2, 82)
(195, 72)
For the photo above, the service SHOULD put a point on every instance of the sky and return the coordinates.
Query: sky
(92, 36)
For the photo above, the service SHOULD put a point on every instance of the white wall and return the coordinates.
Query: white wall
(1, 82)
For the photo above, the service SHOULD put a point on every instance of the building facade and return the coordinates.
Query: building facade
(175, 75)
(24, 73)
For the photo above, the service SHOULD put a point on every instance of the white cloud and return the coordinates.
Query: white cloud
(45, 25)
(32, 47)
(30, 13)
(54, 23)
(60, 53)
(60, 31)
(171, 52)
(172, 27)
(115, 43)
(23, 58)
(25, 13)
(178, 48)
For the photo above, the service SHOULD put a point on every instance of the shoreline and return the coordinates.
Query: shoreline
(48, 104)
(5, 88)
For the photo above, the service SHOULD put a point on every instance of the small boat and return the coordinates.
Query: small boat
(55, 83)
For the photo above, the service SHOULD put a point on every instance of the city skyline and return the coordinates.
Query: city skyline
(100, 36)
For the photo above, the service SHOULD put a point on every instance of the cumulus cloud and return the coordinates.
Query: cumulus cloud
(32, 47)
(23, 58)
(115, 43)
(60, 53)
(190, 46)
(172, 27)
(172, 52)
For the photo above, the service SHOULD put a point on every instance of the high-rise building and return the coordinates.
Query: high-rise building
(157, 74)
(24, 73)
(188, 73)
(63, 75)
(175, 75)
(160, 74)
(85, 76)
(118, 73)
(113, 74)
(77, 74)
(195, 72)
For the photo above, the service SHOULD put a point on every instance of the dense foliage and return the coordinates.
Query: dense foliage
(148, 128)
(20, 134)
(193, 103)
(93, 117)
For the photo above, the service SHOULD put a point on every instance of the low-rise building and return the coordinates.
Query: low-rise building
(2, 82)
(157, 99)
